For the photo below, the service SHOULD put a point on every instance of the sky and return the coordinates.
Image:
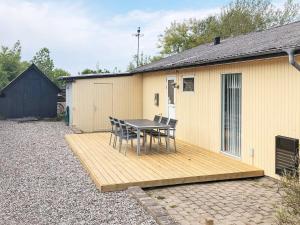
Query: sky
(84, 33)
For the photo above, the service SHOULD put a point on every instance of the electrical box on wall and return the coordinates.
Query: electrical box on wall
(156, 99)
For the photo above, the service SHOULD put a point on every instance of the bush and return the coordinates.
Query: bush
(288, 212)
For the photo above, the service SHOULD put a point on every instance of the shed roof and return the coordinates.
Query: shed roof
(31, 67)
(91, 76)
(265, 43)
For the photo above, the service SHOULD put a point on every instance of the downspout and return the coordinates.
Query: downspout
(292, 58)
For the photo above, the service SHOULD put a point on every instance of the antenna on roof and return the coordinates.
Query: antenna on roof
(138, 35)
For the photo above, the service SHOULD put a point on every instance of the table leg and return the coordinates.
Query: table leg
(144, 138)
(138, 146)
(168, 140)
(145, 141)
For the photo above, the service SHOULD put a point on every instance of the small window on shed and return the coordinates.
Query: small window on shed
(188, 83)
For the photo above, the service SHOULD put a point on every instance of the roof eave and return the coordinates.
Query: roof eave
(265, 55)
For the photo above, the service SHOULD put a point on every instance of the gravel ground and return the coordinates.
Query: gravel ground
(41, 182)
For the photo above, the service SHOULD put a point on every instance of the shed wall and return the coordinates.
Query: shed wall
(29, 96)
(270, 97)
(127, 99)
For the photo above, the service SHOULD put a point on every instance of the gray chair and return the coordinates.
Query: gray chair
(162, 132)
(117, 131)
(156, 132)
(157, 118)
(125, 133)
(112, 131)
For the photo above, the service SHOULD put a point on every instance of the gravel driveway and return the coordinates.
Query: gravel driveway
(41, 182)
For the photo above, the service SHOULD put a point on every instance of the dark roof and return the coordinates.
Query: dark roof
(91, 76)
(262, 44)
(31, 67)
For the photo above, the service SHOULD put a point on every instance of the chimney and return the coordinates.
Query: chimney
(217, 40)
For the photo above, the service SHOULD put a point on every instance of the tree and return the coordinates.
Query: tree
(288, 14)
(10, 63)
(143, 60)
(97, 71)
(44, 62)
(238, 17)
(56, 74)
(88, 71)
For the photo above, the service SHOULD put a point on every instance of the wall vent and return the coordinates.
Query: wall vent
(287, 155)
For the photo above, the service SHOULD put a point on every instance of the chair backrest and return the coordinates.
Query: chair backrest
(173, 123)
(122, 124)
(157, 118)
(123, 128)
(112, 121)
(164, 120)
(116, 121)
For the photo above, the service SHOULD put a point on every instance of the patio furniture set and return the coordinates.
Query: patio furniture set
(159, 127)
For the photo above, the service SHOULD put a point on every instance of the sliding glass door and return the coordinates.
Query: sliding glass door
(231, 114)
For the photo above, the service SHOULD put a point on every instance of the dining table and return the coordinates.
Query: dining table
(142, 125)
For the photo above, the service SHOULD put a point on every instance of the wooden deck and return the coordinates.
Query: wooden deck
(112, 171)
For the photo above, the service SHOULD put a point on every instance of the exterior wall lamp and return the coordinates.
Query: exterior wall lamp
(175, 85)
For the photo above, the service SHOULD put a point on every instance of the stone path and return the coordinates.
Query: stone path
(242, 202)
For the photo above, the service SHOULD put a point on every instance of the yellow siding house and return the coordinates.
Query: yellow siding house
(232, 96)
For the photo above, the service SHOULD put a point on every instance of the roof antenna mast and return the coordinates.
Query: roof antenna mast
(138, 35)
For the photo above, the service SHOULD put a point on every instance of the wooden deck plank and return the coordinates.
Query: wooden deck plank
(112, 171)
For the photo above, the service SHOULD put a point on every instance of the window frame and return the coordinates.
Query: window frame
(188, 76)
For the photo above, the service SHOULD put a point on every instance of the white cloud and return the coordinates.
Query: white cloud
(78, 40)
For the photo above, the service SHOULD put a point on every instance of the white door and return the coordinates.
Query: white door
(103, 106)
(171, 95)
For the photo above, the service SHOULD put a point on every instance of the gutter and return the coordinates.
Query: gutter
(292, 58)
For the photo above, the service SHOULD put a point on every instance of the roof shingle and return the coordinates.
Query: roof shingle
(271, 41)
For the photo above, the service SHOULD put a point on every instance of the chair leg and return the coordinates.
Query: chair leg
(126, 147)
(120, 144)
(131, 143)
(110, 138)
(175, 144)
(115, 141)
(151, 141)
(145, 147)
(166, 142)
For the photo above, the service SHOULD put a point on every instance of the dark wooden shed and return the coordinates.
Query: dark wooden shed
(31, 94)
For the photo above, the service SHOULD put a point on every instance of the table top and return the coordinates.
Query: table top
(145, 124)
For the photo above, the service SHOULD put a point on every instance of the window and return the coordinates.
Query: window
(171, 92)
(231, 113)
(188, 84)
